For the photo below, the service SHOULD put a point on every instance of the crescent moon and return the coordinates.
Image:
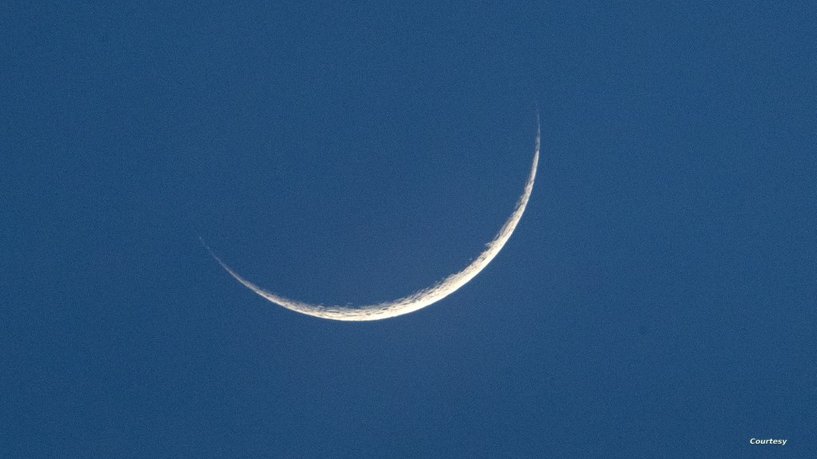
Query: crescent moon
(419, 299)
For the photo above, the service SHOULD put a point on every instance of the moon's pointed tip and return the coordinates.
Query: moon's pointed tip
(538, 124)
(210, 251)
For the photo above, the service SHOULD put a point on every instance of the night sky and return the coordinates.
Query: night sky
(656, 300)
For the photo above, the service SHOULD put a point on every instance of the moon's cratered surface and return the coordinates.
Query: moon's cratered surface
(419, 299)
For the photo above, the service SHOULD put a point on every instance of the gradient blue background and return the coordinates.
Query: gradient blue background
(657, 299)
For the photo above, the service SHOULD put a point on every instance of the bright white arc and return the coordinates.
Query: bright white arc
(419, 299)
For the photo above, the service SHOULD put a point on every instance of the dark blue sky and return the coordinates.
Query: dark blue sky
(657, 299)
